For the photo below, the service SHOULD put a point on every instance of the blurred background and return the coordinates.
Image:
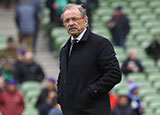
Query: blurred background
(34, 64)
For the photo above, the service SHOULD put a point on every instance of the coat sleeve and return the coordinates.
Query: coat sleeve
(108, 64)
(58, 83)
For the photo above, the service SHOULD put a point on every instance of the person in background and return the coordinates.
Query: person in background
(113, 100)
(51, 86)
(132, 64)
(123, 107)
(1, 66)
(90, 6)
(119, 27)
(46, 106)
(32, 71)
(25, 17)
(10, 51)
(11, 101)
(8, 70)
(153, 50)
(19, 65)
(89, 68)
(56, 110)
(37, 4)
(7, 4)
(2, 84)
(56, 8)
(134, 98)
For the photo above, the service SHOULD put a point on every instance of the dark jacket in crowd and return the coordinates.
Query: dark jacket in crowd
(137, 62)
(18, 70)
(154, 50)
(120, 30)
(45, 108)
(32, 72)
(87, 76)
(42, 97)
(123, 110)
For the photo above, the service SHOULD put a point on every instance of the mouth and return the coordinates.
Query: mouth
(72, 27)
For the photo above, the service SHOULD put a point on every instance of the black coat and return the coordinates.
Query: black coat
(32, 72)
(87, 76)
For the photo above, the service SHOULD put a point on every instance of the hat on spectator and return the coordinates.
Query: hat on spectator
(12, 82)
(21, 51)
(119, 8)
(132, 86)
(51, 80)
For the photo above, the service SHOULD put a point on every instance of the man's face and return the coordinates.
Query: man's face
(74, 22)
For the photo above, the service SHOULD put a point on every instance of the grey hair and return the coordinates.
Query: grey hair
(70, 6)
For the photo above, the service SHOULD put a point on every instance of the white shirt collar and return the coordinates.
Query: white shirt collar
(80, 36)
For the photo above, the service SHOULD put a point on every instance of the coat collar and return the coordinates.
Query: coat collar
(83, 39)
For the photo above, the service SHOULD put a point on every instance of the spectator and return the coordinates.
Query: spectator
(90, 6)
(37, 4)
(26, 19)
(8, 70)
(1, 66)
(46, 106)
(2, 84)
(56, 7)
(123, 107)
(119, 27)
(113, 100)
(10, 51)
(56, 110)
(153, 50)
(7, 3)
(32, 71)
(51, 86)
(19, 65)
(134, 98)
(11, 101)
(132, 64)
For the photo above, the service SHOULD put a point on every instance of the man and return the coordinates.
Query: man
(19, 65)
(25, 17)
(32, 71)
(132, 64)
(11, 101)
(10, 51)
(88, 67)
(50, 86)
(153, 50)
(119, 27)
(123, 107)
(38, 5)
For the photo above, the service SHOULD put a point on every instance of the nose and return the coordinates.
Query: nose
(71, 22)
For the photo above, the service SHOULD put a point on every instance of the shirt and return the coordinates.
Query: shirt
(79, 37)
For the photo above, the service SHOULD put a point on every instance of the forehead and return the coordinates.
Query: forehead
(74, 12)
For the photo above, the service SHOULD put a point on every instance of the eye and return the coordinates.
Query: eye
(74, 19)
(66, 20)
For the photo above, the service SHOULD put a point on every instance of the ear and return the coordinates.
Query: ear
(86, 20)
